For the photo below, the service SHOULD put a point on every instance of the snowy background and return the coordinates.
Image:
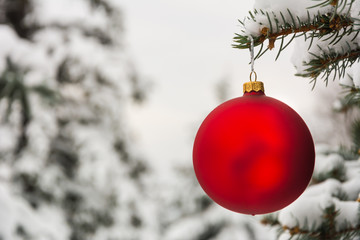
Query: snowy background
(86, 156)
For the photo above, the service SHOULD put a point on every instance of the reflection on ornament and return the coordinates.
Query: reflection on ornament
(253, 154)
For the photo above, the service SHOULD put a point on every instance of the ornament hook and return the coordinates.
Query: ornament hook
(251, 76)
(252, 59)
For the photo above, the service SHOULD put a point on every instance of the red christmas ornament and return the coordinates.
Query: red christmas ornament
(253, 154)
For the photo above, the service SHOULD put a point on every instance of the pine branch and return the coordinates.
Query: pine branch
(350, 232)
(338, 173)
(328, 63)
(13, 89)
(319, 26)
(270, 220)
(352, 99)
(328, 227)
(306, 233)
(348, 154)
(355, 134)
(325, 231)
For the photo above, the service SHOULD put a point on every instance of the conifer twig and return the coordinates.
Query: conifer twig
(329, 62)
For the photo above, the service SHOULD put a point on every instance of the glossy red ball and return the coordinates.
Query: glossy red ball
(253, 154)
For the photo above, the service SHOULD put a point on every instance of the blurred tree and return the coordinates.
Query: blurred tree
(68, 169)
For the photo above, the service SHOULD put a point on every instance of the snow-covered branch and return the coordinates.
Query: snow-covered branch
(276, 28)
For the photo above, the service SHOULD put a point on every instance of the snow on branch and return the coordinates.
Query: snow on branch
(280, 25)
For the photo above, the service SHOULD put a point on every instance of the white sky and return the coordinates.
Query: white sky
(184, 48)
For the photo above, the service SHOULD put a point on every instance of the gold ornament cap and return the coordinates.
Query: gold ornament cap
(253, 86)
